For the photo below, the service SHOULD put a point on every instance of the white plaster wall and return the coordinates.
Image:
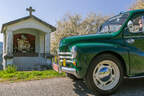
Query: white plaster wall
(4, 43)
(42, 38)
(47, 43)
(9, 42)
(29, 23)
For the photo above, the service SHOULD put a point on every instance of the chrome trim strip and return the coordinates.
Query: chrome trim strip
(65, 57)
(65, 53)
(133, 36)
(70, 71)
(69, 61)
(135, 77)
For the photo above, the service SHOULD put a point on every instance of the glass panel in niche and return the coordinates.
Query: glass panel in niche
(24, 44)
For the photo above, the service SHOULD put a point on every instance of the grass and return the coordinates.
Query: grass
(12, 75)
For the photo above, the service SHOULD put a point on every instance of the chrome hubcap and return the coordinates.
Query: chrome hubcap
(106, 75)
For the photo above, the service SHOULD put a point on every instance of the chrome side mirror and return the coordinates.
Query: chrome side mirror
(130, 24)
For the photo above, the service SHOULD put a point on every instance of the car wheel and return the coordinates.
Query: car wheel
(105, 74)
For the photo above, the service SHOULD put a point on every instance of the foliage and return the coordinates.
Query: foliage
(28, 75)
(139, 4)
(72, 25)
(10, 69)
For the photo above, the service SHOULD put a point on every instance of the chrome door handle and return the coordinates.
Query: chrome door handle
(130, 41)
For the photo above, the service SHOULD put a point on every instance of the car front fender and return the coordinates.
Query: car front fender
(87, 52)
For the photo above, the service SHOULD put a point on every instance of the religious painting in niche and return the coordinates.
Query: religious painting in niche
(24, 44)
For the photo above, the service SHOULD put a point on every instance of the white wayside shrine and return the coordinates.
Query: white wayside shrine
(27, 43)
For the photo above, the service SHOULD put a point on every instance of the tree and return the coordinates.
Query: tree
(72, 25)
(139, 4)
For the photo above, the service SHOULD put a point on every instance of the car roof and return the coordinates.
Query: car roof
(137, 11)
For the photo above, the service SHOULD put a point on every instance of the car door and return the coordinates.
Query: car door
(134, 39)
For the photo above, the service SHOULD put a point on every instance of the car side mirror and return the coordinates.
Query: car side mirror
(130, 24)
(99, 28)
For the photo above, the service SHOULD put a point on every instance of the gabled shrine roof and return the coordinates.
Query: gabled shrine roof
(26, 18)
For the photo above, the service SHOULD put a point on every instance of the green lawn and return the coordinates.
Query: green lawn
(28, 75)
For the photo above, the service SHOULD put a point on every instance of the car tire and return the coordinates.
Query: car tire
(104, 75)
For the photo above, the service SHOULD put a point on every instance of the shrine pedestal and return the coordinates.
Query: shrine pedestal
(8, 60)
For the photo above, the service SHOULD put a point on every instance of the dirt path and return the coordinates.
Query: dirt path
(65, 87)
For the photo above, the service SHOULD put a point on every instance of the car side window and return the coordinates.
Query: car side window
(136, 24)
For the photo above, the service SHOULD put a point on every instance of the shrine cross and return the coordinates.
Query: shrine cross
(30, 10)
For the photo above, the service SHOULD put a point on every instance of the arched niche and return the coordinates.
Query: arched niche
(24, 44)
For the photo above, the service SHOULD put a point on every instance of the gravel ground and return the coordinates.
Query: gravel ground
(65, 87)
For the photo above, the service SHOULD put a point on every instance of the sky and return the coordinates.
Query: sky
(51, 11)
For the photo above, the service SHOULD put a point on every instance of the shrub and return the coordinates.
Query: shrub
(10, 69)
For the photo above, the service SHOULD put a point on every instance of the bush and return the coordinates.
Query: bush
(10, 69)
(75, 24)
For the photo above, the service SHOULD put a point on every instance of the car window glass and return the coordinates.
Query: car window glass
(113, 24)
(136, 25)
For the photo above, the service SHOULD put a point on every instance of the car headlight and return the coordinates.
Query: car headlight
(74, 52)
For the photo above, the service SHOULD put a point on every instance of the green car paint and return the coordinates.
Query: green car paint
(89, 46)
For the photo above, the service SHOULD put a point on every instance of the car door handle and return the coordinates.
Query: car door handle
(130, 41)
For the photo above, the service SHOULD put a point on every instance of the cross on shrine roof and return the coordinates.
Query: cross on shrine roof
(30, 10)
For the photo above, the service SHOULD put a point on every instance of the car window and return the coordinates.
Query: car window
(136, 24)
(113, 24)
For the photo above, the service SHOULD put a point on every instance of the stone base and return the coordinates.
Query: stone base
(9, 61)
(6, 62)
(31, 63)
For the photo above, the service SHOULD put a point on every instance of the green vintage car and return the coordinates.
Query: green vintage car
(103, 59)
